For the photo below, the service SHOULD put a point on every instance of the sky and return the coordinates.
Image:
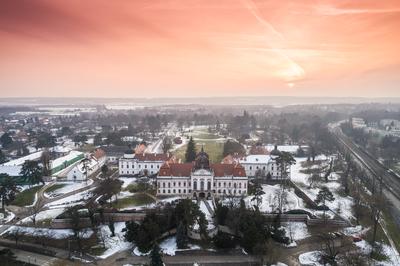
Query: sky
(199, 48)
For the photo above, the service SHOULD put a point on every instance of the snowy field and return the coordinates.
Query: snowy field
(296, 231)
(341, 205)
(45, 232)
(270, 200)
(72, 200)
(43, 215)
(168, 246)
(114, 244)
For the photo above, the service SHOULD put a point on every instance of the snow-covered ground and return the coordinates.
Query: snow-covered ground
(208, 215)
(393, 259)
(168, 246)
(341, 205)
(46, 232)
(296, 230)
(43, 215)
(310, 258)
(68, 187)
(70, 200)
(114, 244)
(127, 181)
(270, 200)
(9, 217)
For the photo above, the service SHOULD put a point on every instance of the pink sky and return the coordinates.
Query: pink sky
(186, 48)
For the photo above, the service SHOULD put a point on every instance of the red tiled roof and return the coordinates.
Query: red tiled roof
(176, 169)
(152, 156)
(185, 169)
(221, 170)
(99, 153)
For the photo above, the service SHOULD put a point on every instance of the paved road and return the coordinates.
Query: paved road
(32, 258)
(203, 259)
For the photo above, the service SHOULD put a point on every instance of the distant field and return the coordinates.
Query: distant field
(212, 146)
(26, 197)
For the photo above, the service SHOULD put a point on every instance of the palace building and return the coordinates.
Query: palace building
(202, 178)
(142, 163)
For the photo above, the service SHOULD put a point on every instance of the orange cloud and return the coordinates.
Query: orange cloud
(199, 48)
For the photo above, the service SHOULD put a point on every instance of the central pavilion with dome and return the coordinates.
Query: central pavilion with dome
(202, 179)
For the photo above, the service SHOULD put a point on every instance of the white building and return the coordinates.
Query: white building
(143, 163)
(261, 164)
(91, 164)
(202, 179)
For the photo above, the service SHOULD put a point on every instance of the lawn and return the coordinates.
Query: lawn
(26, 197)
(138, 199)
(213, 148)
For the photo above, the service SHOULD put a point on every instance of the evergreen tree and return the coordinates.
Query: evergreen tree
(104, 170)
(190, 154)
(32, 171)
(181, 236)
(258, 194)
(3, 158)
(8, 190)
(323, 196)
(155, 256)
(112, 228)
(6, 140)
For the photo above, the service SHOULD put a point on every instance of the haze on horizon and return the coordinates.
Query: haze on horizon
(189, 48)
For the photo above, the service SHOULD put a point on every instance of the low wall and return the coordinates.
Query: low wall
(107, 217)
(304, 218)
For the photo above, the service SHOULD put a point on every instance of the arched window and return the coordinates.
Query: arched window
(209, 185)
(194, 184)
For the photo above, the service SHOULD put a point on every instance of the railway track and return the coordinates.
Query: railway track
(382, 174)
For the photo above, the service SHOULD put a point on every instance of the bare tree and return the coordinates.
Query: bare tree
(281, 198)
(378, 204)
(329, 247)
(17, 233)
(33, 211)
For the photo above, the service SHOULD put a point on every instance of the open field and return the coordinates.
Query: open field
(26, 197)
(138, 199)
(213, 148)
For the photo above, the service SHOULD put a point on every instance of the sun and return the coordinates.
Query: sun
(290, 84)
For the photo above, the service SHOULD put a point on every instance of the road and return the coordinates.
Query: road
(32, 258)
(124, 258)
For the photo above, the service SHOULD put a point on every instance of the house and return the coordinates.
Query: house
(261, 165)
(201, 179)
(114, 153)
(87, 166)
